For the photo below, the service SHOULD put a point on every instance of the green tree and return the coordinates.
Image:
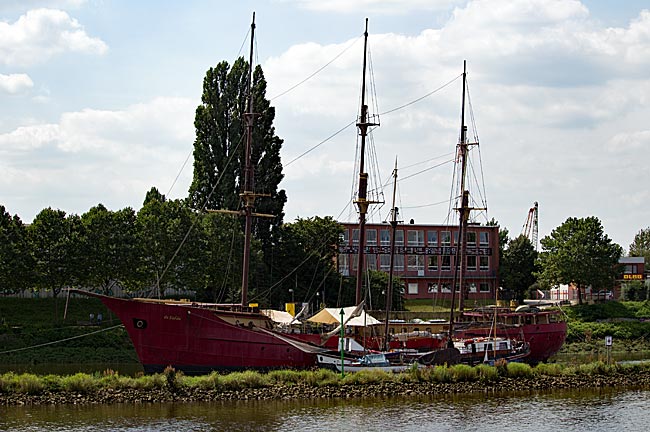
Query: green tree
(640, 247)
(221, 251)
(579, 252)
(168, 245)
(109, 244)
(503, 236)
(303, 261)
(55, 242)
(15, 260)
(220, 142)
(518, 266)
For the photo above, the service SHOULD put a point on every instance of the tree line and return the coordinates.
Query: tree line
(577, 252)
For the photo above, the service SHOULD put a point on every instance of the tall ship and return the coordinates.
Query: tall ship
(543, 332)
(202, 337)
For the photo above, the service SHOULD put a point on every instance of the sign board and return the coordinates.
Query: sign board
(608, 341)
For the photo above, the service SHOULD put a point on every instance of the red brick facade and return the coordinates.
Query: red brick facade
(425, 256)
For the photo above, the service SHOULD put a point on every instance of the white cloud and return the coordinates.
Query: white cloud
(24, 5)
(629, 142)
(554, 93)
(94, 156)
(41, 34)
(376, 6)
(15, 83)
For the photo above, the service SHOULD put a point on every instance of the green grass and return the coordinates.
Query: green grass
(172, 380)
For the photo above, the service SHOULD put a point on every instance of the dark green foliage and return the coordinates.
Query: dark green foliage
(579, 252)
(168, 246)
(219, 156)
(110, 255)
(16, 264)
(56, 247)
(303, 260)
(34, 321)
(640, 247)
(517, 267)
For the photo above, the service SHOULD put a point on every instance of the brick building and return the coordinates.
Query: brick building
(425, 256)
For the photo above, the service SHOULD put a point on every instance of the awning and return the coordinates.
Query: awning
(280, 317)
(333, 316)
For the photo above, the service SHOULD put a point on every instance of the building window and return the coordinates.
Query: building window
(471, 238)
(413, 288)
(445, 288)
(445, 238)
(399, 237)
(446, 262)
(371, 237)
(384, 237)
(399, 262)
(354, 259)
(415, 262)
(415, 238)
(630, 268)
(484, 287)
(384, 262)
(345, 237)
(471, 262)
(484, 238)
(432, 288)
(432, 263)
(432, 238)
(344, 264)
(472, 287)
(484, 262)
(455, 237)
(355, 236)
(371, 261)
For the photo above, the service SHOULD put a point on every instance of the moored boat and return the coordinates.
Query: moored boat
(544, 330)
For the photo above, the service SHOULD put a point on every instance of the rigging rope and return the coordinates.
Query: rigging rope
(59, 341)
(316, 72)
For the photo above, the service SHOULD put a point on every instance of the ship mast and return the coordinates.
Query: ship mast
(389, 288)
(463, 214)
(362, 198)
(247, 195)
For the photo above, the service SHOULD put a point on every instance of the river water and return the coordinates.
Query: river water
(606, 410)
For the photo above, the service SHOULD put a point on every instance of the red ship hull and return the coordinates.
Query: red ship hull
(196, 339)
(543, 331)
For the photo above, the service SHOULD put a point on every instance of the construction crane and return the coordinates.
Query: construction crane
(530, 228)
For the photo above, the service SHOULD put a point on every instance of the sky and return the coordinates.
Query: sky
(97, 101)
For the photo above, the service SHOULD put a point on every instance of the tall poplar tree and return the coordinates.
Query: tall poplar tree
(220, 143)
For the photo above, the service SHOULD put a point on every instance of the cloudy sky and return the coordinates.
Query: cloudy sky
(97, 101)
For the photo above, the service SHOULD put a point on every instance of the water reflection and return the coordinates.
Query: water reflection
(567, 411)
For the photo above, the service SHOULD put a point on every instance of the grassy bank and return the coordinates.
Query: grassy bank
(29, 326)
(109, 387)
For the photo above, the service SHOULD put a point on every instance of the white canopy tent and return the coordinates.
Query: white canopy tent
(280, 317)
(333, 316)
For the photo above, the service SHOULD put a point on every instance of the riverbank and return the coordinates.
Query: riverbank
(109, 387)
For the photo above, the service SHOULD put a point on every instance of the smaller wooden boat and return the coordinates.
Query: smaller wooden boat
(372, 361)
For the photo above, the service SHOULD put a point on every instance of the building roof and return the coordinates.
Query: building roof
(631, 260)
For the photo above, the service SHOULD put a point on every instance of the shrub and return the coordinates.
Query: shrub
(519, 370)
(462, 372)
(487, 373)
(367, 377)
(242, 380)
(548, 369)
(79, 382)
(322, 377)
(285, 376)
(29, 383)
(442, 374)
